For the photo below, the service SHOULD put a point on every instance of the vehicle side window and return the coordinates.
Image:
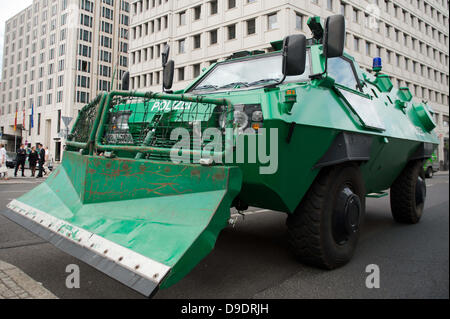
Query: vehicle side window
(342, 71)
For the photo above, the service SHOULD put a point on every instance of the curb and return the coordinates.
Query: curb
(15, 284)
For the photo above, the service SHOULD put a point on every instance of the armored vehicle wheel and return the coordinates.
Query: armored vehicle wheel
(429, 173)
(408, 194)
(324, 230)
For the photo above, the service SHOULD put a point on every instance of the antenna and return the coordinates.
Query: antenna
(111, 88)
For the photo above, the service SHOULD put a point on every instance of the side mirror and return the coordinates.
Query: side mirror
(126, 81)
(294, 55)
(165, 55)
(334, 40)
(168, 74)
(168, 69)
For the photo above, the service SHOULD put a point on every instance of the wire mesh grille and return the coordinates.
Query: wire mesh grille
(150, 122)
(86, 118)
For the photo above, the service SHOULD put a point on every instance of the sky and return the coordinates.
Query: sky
(8, 9)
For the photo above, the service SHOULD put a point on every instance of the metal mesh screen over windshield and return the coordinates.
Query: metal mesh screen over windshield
(137, 121)
(86, 118)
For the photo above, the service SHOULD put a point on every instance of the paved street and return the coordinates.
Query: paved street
(251, 260)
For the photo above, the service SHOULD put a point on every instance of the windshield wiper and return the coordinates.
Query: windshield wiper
(235, 84)
(263, 81)
(206, 87)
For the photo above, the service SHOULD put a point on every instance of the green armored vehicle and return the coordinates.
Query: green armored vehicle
(431, 166)
(148, 179)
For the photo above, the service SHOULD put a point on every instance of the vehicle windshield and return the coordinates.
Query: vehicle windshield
(245, 74)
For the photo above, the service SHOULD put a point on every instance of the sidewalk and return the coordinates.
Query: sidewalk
(19, 179)
(15, 284)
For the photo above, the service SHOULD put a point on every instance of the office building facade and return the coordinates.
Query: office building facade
(411, 36)
(58, 55)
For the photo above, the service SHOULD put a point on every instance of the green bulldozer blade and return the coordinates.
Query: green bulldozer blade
(145, 223)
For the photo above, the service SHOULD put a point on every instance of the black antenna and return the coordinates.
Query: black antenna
(165, 59)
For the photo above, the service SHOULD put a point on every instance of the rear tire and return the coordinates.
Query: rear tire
(408, 194)
(324, 229)
(429, 173)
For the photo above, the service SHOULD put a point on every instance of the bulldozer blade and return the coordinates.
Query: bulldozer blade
(146, 224)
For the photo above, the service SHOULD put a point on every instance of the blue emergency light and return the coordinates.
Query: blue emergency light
(377, 64)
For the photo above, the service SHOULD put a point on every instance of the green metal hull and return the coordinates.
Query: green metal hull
(284, 190)
(318, 117)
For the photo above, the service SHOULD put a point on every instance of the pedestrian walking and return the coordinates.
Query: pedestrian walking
(3, 168)
(41, 153)
(33, 158)
(20, 160)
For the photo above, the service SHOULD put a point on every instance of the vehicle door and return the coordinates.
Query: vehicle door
(348, 86)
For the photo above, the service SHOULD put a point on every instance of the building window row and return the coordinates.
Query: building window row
(400, 61)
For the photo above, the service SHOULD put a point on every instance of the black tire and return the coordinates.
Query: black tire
(324, 231)
(429, 173)
(408, 194)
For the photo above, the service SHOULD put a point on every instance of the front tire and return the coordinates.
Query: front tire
(324, 229)
(408, 194)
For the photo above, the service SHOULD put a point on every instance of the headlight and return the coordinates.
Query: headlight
(120, 120)
(119, 132)
(257, 116)
(240, 120)
(246, 117)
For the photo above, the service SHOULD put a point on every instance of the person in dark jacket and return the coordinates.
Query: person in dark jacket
(33, 159)
(20, 160)
(41, 153)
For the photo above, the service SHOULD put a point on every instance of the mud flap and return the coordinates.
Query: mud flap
(146, 224)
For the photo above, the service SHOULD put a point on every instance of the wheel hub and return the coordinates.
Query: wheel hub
(347, 214)
(421, 191)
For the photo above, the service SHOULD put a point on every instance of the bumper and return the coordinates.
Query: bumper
(131, 269)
